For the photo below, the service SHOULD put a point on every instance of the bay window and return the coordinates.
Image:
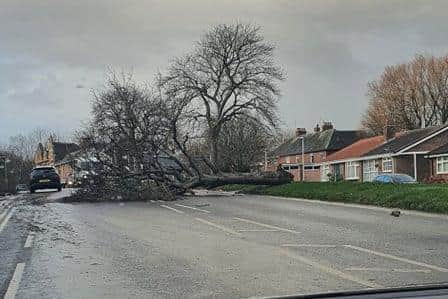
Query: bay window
(352, 170)
(442, 165)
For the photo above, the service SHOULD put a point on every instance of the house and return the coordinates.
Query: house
(56, 154)
(316, 147)
(404, 152)
(346, 163)
(438, 163)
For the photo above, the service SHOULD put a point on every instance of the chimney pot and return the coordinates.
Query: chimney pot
(327, 125)
(317, 129)
(300, 132)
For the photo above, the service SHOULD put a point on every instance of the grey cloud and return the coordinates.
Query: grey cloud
(330, 49)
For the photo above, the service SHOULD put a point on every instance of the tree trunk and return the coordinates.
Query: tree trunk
(268, 178)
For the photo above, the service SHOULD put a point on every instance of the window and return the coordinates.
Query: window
(442, 165)
(352, 170)
(370, 170)
(312, 167)
(387, 165)
(312, 158)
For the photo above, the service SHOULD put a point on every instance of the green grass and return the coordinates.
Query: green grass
(427, 198)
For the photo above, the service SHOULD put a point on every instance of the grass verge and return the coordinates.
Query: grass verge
(421, 197)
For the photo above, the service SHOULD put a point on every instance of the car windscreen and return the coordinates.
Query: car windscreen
(40, 171)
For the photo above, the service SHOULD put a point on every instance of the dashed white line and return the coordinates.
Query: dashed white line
(172, 209)
(223, 228)
(267, 225)
(397, 258)
(388, 270)
(15, 281)
(310, 245)
(192, 208)
(330, 270)
(257, 230)
(6, 219)
(29, 241)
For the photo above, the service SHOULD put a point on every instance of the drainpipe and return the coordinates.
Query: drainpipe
(415, 166)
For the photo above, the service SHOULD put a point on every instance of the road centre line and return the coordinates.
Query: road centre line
(310, 245)
(267, 225)
(193, 208)
(172, 209)
(397, 258)
(223, 228)
(256, 230)
(388, 270)
(330, 270)
(29, 240)
(6, 219)
(15, 281)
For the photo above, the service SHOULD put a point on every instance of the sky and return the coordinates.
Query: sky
(54, 53)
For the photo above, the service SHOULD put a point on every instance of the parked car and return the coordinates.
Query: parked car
(44, 177)
(395, 178)
(21, 188)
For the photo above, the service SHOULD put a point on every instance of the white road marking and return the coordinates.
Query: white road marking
(29, 240)
(6, 219)
(310, 245)
(388, 270)
(153, 201)
(15, 281)
(172, 209)
(397, 258)
(223, 228)
(330, 270)
(267, 225)
(257, 230)
(193, 208)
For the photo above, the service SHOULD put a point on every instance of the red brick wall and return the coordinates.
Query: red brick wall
(64, 171)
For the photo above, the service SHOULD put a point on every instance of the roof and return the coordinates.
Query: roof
(61, 149)
(440, 150)
(403, 140)
(356, 149)
(328, 140)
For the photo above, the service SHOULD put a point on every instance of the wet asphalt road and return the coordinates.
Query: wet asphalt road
(212, 246)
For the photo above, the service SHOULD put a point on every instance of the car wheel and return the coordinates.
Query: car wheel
(59, 189)
(32, 190)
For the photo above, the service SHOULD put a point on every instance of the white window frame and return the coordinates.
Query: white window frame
(443, 162)
(369, 172)
(352, 166)
(386, 161)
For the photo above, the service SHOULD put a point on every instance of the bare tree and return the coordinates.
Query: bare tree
(230, 73)
(410, 95)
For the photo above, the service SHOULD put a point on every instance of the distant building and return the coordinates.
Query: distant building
(56, 154)
(317, 146)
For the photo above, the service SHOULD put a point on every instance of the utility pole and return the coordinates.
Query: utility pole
(303, 158)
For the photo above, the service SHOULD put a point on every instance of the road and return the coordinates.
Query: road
(212, 246)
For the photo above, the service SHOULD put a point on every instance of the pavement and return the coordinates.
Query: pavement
(212, 245)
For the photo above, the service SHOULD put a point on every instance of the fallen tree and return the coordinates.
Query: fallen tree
(143, 137)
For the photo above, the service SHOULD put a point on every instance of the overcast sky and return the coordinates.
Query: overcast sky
(52, 53)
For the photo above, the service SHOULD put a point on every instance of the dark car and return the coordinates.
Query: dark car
(395, 178)
(21, 188)
(44, 178)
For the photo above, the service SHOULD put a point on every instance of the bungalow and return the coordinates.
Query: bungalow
(404, 153)
(304, 154)
(438, 163)
(346, 163)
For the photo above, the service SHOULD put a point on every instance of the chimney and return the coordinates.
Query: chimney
(389, 132)
(327, 125)
(317, 129)
(300, 132)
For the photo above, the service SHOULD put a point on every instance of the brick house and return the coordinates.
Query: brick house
(346, 163)
(317, 146)
(404, 152)
(438, 163)
(53, 154)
